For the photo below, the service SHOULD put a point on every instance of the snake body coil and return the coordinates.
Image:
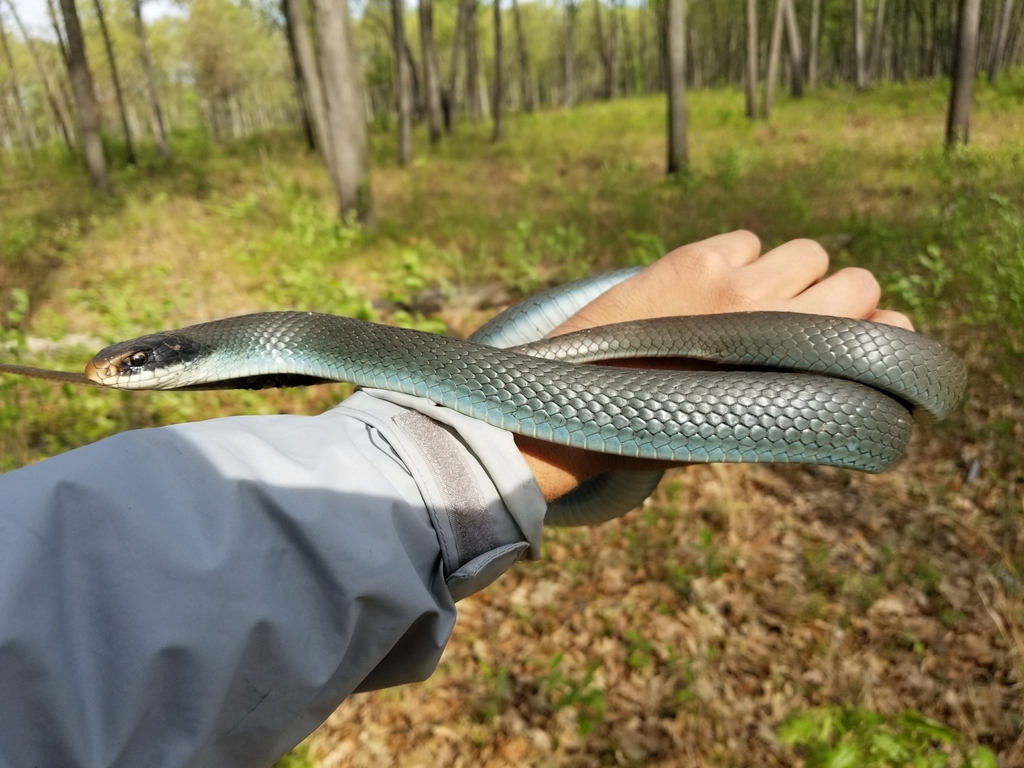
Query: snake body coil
(722, 415)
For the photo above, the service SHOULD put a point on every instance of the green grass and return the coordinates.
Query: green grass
(219, 230)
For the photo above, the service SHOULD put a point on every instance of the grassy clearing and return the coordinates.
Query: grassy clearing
(739, 595)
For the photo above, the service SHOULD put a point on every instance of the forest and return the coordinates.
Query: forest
(428, 164)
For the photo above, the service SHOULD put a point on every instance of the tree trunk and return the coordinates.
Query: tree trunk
(876, 40)
(431, 70)
(159, 126)
(642, 46)
(401, 83)
(752, 57)
(813, 44)
(526, 92)
(999, 43)
(605, 50)
(570, 52)
(964, 64)
(62, 43)
(301, 91)
(774, 55)
(858, 44)
(24, 125)
(499, 85)
(628, 78)
(450, 98)
(473, 62)
(47, 86)
(129, 150)
(345, 109)
(676, 40)
(85, 98)
(796, 64)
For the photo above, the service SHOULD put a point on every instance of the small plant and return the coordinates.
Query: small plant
(856, 737)
(564, 691)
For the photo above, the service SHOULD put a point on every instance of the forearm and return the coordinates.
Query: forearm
(207, 594)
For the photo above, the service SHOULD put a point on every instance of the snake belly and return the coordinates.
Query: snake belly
(713, 416)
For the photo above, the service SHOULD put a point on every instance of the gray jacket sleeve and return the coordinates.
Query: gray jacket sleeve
(207, 594)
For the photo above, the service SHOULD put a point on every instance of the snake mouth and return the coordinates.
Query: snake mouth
(104, 372)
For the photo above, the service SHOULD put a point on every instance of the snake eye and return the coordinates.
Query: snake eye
(138, 359)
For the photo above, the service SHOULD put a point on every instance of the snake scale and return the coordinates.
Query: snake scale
(813, 389)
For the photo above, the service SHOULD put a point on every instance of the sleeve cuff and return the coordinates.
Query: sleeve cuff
(482, 498)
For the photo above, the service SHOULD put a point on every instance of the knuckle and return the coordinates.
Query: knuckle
(863, 283)
(815, 251)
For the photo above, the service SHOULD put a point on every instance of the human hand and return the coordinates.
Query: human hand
(725, 273)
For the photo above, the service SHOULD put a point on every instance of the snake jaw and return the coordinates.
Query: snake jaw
(157, 361)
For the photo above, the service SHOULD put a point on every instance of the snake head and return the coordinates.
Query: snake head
(157, 361)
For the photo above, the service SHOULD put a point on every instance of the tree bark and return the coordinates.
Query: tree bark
(605, 47)
(159, 126)
(85, 98)
(876, 40)
(526, 92)
(999, 43)
(774, 54)
(301, 91)
(345, 109)
(570, 53)
(129, 149)
(499, 85)
(449, 99)
(964, 64)
(814, 44)
(752, 57)
(51, 97)
(473, 62)
(62, 43)
(796, 64)
(431, 70)
(401, 83)
(858, 44)
(676, 40)
(24, 125)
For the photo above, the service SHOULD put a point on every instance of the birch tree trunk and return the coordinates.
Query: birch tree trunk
(858, 44)
(999, 44)
(85, 98)
(129, 150)
(752, 57)
(499, 86)
(401, 83)
(964, 64)
(814, 44)
(774, 54)
(796, 64)
(526, 92)
(431, 70)
(345, 109)
(676, 40)
(159, 126)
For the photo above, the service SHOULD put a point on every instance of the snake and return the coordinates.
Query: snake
(785, 387)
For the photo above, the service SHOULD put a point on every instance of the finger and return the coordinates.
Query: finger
(889, 317)
(786, 271)
(850, 292)
(737, 248)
